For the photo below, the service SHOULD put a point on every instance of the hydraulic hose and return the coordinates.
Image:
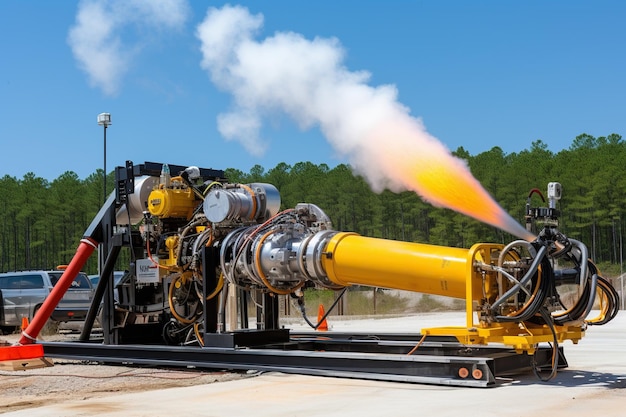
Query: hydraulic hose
(543, 286)
(321, 320)
(545, 314)
(183, 279)
(610, 303)
(612, 300)
(577, 312)
(584, 257)
(541, 253)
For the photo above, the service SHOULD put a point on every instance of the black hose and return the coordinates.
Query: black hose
(540, 292)
(545, 288)
(321, 320)
(577, 312)
(587, 279)
(613, 299)
(525, 279)
(545, 314)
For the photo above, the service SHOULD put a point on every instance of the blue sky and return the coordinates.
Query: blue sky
(478, 74)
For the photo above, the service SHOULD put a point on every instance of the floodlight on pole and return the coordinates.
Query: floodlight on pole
(104, 119)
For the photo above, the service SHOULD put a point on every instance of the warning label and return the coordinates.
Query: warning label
(147, 271)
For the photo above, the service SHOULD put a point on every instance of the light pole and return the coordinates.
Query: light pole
(104, 119)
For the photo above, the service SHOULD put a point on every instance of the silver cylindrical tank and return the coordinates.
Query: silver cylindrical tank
(137, 201)
(256, 201)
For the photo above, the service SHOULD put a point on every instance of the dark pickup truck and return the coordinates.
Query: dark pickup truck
(22, 293)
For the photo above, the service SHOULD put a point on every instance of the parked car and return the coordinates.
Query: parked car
(23, 293)
(117, 277)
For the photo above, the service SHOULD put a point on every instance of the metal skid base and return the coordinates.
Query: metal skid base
(246, 338)
(384, 357)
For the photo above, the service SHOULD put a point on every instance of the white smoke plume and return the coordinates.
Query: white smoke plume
(307, 80)
(95, 37)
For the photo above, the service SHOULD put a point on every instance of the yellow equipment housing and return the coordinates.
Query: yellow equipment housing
(172, 202)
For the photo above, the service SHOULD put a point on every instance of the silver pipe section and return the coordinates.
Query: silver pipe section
(281, 257)
(252, 202)
(281, 254)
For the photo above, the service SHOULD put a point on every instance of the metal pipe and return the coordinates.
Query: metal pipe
(350, 259)
(85, 249)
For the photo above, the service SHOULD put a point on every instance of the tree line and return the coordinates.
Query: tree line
(43, 220)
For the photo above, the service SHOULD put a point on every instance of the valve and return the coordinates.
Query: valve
(545, 216)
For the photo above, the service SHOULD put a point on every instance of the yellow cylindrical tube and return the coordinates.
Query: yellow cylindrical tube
(350, 259)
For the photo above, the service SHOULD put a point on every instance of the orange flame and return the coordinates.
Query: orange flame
(450, 184)
(424, 165)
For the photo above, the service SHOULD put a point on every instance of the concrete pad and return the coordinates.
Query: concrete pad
(594, 384)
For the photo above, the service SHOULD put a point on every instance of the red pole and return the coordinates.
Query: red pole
(85, 249)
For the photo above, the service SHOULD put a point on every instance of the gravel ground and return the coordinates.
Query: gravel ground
(80, 380)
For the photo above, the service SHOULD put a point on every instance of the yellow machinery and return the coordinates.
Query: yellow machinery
(194, 236)
(514, 293)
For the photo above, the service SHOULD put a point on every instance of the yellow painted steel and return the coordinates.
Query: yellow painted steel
(350, 259)
(523, 337)
(171, 243)
(483, 285)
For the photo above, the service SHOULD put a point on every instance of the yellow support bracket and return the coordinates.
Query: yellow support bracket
(521, 338)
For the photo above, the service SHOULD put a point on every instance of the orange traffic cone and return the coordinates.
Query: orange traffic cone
(24, 323)
(322, 323)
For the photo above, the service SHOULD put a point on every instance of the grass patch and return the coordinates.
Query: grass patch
(369, 301)
(428, 303)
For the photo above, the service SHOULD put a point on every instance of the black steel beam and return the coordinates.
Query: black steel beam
(440, 370)
(438, 360)
(154, 169)
(506, 360)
